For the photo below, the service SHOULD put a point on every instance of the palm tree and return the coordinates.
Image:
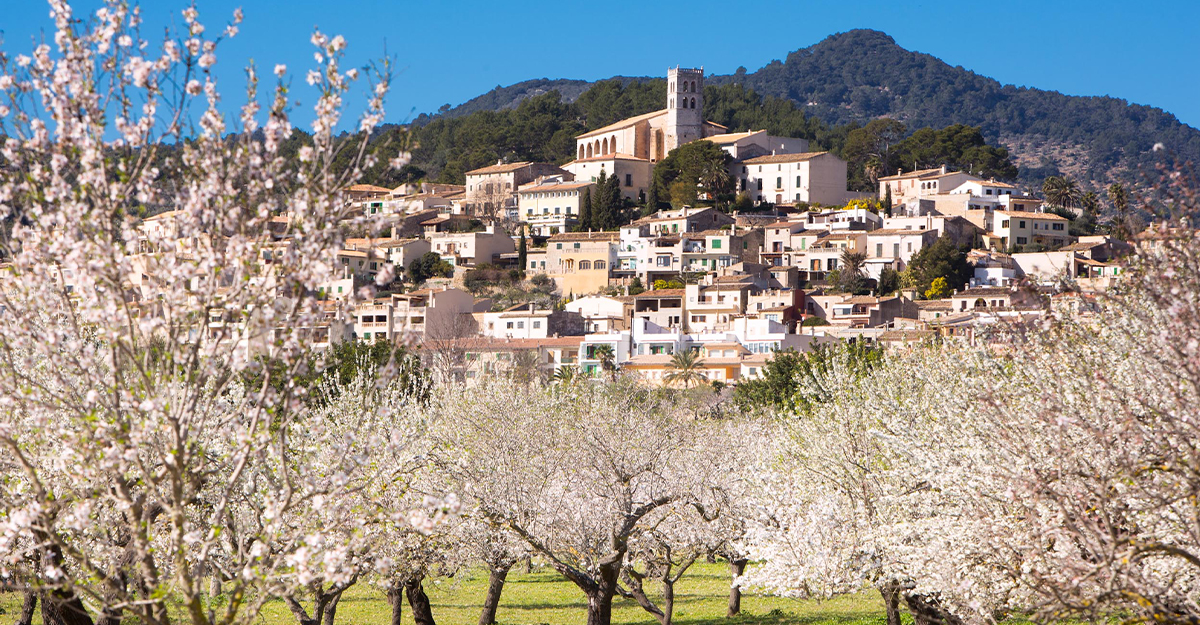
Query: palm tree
(852, 262)
(1120, 201)
(607, 357)
(685, 369)
(1090, 203)
(1061, 191)
(566, 375)
(716, 179)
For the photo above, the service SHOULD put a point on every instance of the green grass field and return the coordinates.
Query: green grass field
(546, 597)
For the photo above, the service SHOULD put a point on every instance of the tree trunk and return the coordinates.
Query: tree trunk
(28, 607)
(736, 568)
(528, 564)
(395, 597)
(491, 602)
(891, 601)
(600, 598)
(668, 608)
(60, 608)
(331, 608)
(301, 614)
(214, 583)
(929, 611)
(419, 602)
(599, 608)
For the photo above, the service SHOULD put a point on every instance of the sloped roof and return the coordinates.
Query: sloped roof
(624, 123)
(502, 168)
(784, 158)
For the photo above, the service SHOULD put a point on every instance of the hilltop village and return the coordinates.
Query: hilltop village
(588, 267)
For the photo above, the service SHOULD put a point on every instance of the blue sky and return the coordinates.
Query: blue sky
(449, 52)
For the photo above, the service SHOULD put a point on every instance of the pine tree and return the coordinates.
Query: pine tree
(585, 210)
(887, 201)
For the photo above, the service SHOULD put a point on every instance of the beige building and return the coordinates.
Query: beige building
(493, 190)
(551, 206)
(922, 183)
(753, 143)
(652, 135)
(471, 248)
(811, 177)
(578, 262)
(633, 173)
(1018, 228)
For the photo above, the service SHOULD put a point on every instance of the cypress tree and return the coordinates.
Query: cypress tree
(611, 216)
(887, 200)
(651, 200)
(585, 210)
(522, 251)
(601, 203)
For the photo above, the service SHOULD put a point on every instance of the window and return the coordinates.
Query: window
(585, 264)
(629, 180)
(600, 265)
(1022, 240)
(558, 246)
(1004, 224)
(557, 210)
(896, 250)
(1021, 224)
(1058, 226)
(797, 180)
(537, 324)
(520, 325)
(533, 264)
(759, 184)
(576, 246)
(878, 250)
(779, 182)
(510, 325)
(910, 246)
(716, 244)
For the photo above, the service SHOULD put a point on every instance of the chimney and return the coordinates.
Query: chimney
(943, 168)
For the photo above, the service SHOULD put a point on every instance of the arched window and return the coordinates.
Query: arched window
(598, 152)
(672, 102)
(589, 150)
(581, 151)
(600, 265)
(693, 86)
(981, 303)
(693, 103)
(672, 89)
(585, 264)
(604, 146)
(685, 86)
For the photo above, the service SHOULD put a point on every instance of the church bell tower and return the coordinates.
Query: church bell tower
(685, 106)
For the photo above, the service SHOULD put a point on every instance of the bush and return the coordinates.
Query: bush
(813, 320)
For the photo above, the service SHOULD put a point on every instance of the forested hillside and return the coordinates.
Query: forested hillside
(854, 77)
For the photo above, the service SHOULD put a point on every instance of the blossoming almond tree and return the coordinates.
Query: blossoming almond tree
(849, 504)
(574, 470)
(135, 455)
(1097, 453)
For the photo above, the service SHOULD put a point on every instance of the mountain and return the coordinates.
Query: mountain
(860, 75)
